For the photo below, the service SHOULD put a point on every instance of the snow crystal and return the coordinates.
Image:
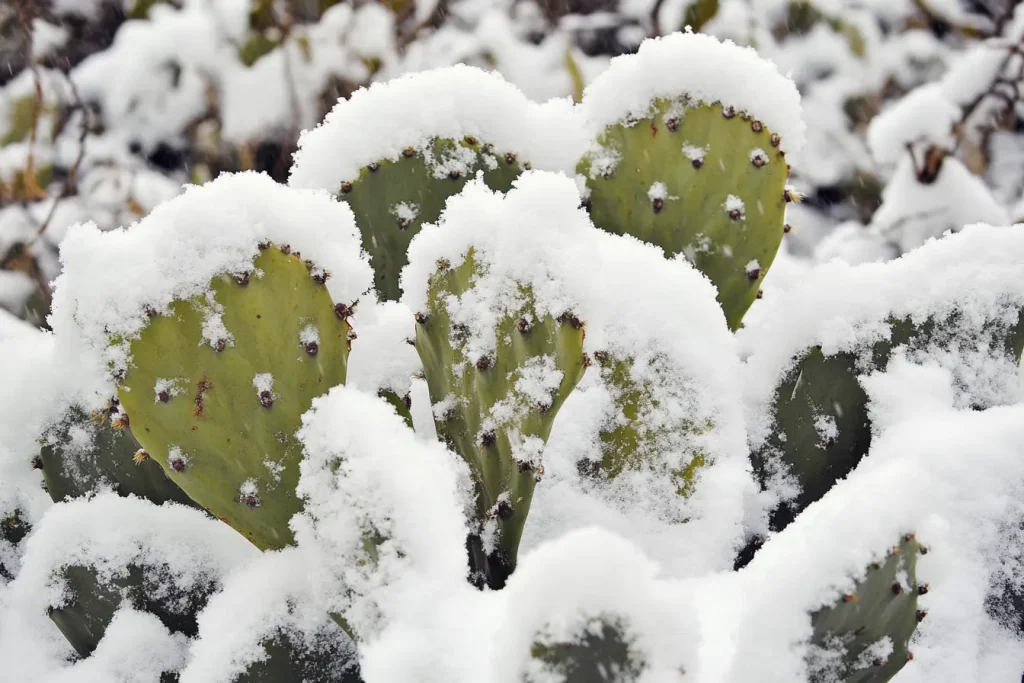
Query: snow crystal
(913, 212)
(735, 204)
(916, 482)
(405, 212)
(170, 387)
(659, 191)
(529, 452)
(264, 383)
(924, 115)
(694, 153)
(309, 335)
(383, 358)
(825, 425)
(706, 69)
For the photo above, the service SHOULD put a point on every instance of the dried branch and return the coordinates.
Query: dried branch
(70, 186)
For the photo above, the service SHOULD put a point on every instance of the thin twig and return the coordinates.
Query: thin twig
(70, 186)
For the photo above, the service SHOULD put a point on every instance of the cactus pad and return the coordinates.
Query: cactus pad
(695, 179)
(496, 410)
(822, 429)
(217, 390)
(864, 637)
(600, 653)
(334, 661)
(84, 618)
(392, 199)
(109, 456)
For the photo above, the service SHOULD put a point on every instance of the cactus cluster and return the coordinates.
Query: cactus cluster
(208, 408)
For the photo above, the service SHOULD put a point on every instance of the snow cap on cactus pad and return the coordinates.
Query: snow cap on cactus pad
(87, 556)
(112, 280)
(265, 625)
(389, 531)
(972, 280)
(396, 151)
(957, 303)
(635, 304)
(380, 122)
(688, 159)
(916, 482)
(609, 613)
(706, 69)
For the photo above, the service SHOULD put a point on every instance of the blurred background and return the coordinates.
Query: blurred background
(107, 107)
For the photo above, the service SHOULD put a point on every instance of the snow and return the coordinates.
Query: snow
(412, 501)
(706, 69)
(924, 115)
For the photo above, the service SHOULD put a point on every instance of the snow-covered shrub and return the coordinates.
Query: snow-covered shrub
(477, 396)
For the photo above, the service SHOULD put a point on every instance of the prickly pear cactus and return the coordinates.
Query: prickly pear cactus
(496, 410)
(697, 179)
(87, 452)
(865, 636)
(217, 388)
(392, 199)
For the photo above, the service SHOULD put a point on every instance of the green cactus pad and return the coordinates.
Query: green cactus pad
(497, 428)
(392, 199)
(822, 429)
(849, 641)
(334, 661)
(699, 180)
(112, 458)
(632, 444)
(224, 434)
(84, 618)
(600, 653)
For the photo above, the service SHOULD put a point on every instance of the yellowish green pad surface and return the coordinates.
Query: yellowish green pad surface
(221, 435)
